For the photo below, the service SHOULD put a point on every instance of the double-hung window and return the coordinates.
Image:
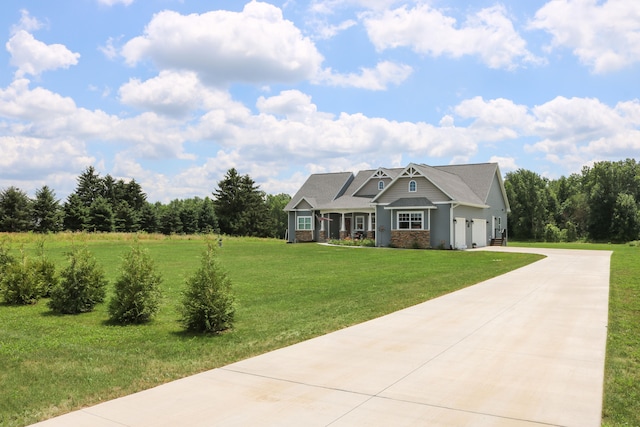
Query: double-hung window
(360, 223)
(304, 223)
(410, 221)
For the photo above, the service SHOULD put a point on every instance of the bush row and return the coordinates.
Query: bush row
(207, 303)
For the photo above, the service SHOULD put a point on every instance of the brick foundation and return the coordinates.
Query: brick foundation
(323, 236)
(411, 239)
(304, 236)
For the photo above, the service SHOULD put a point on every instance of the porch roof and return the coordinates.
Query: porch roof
(411, 202)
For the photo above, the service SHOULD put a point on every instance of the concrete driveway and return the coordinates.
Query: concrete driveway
(523, 349)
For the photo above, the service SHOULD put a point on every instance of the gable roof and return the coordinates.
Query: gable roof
(319, 189)
(466, 184)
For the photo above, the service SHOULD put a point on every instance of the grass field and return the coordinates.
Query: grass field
(285, 293)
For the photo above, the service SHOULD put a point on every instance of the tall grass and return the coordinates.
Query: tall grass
(53, 364)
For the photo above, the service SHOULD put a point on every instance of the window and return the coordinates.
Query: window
(410, 221)
(380, 185)
(360, 223)
(304, 223)
(413, 186)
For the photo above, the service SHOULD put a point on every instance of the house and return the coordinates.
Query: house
(419, 206)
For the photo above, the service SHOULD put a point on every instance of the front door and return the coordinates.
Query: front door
(347, 225)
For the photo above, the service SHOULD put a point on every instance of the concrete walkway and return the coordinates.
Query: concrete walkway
(523, 349)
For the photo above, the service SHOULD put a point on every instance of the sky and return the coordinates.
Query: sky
(174, 93)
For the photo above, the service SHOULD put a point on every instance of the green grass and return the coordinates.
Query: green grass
(621, 405)
(285, 293)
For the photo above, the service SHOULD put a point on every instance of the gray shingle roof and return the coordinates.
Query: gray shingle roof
(322, 188)
(468, 184)
(412, 202)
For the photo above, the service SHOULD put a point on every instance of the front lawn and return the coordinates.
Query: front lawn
(54, 364)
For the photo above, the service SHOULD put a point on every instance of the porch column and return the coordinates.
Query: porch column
(321, 223)
(369, 225)
(342, 225)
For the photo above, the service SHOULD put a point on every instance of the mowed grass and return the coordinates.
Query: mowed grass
(621, 404)
(53, 364)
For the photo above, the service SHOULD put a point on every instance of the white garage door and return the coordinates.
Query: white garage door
(460, 234)
(479, 232)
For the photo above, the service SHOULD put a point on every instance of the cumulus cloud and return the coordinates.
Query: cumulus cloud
(33, 57)
(488, 34)
(379, 78)
(605, 36)
(256, 45)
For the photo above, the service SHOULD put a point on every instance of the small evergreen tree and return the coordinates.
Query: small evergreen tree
(207, 303)
(82, 285)
(137, 290)
(21, 284)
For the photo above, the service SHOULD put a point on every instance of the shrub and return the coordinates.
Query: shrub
(82, 285)
(21, 284)
(551, 233)
(137, 290)
(46, 270)
(207, 303)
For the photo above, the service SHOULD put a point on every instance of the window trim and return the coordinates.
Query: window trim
(410, 220)
(413, 184)
(308, 221)
(380, 185)
(357, 219)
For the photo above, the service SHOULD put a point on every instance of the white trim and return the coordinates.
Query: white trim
(304, 229)
(411, 212)
(355, 223)
(415, 186)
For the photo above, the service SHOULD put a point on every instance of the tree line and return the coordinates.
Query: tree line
(599, 204)
(103, 204)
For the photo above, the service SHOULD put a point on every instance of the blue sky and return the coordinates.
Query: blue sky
(173, 93)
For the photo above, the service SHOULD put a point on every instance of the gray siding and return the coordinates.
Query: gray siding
(383, 220)
(400, 189)
(440, 227)
(304, 205)
(498, 207)
(371, 187)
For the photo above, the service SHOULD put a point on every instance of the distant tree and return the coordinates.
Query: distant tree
(76, 214)
(207, 222)
(169, 218)
(15, 210)
(101, 216)
(126, 219)
(240, 207)
(625, 222)
(276, 204)
(603, 183)
(530, 197)
(47, 213)
(189, 213)
(149, 217)
(90, 186)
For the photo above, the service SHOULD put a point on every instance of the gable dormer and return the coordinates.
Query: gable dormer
(374, 184)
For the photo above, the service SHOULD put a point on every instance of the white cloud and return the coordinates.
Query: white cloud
(171, 92)
(27, 23)
(109, 50)
(378, 78)
(507, 164)
(604, 35)
(114, 2)
(498, 118)
(256, 45)
(325, 31)
(32, 56)
(488, 34)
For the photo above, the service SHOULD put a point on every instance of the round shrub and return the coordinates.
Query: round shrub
(207, 303)
(82, 285)
(137, 290)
